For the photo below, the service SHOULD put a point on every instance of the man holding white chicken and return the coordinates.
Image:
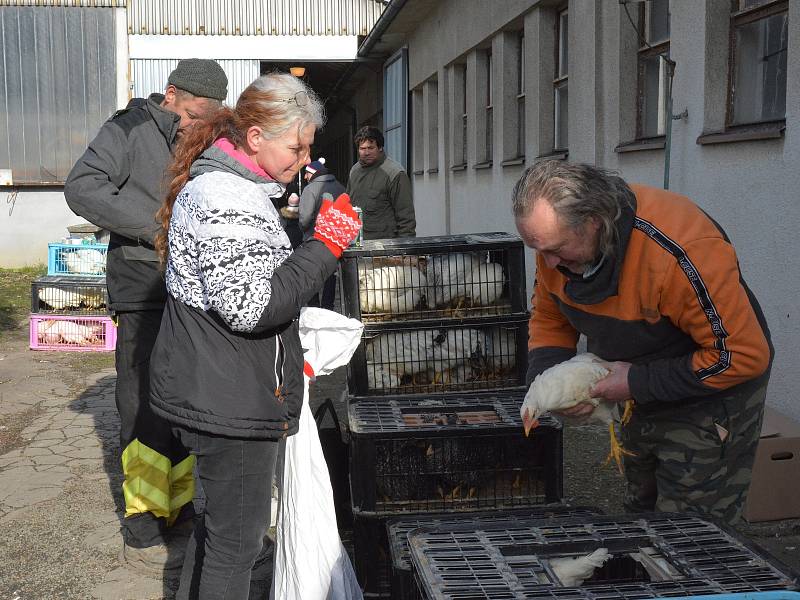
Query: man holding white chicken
(654, 284)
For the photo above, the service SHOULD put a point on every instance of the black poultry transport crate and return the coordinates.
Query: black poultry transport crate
(403, 586)
(441, 277)
(450, 453)
(380, 546)
(440, 356)
(652, 556)
(57, 294)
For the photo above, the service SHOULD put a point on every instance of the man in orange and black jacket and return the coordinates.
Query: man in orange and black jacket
(654, 284)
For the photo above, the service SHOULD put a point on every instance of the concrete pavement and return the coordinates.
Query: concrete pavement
(60, 483)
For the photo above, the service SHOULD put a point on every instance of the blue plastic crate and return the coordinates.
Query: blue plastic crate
(777, 595)
(85, 260)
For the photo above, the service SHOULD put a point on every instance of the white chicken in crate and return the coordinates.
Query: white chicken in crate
(55, 332)
(84, 260)
(395, 355)
(567, 384)
(489, 352)
(392, 289)
(463, 278)
(60, 299)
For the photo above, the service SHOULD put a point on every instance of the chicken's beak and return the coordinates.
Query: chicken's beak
(529, 423)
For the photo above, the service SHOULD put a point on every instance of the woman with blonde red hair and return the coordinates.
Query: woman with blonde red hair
(228, 366)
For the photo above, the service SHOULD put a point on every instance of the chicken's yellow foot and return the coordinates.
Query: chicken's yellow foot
(456, 493)
(616, 450)
(628, 412)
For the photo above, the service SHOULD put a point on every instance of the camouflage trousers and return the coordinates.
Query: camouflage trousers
(694, 458)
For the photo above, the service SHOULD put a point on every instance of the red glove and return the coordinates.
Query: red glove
(337, 224)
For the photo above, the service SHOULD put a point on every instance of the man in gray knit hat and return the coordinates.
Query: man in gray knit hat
(119, 184)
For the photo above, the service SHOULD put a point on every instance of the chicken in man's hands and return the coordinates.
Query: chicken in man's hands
(583, 386)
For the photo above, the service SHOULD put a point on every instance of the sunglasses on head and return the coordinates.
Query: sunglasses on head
(300, 99)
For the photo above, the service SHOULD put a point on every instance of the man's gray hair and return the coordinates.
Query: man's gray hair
(578, 193)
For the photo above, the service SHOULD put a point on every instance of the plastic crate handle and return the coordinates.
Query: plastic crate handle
(322, 410)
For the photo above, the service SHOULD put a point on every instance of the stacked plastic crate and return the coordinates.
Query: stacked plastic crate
(69, 306)
(403, 583)
(435, 389)
(648, 556)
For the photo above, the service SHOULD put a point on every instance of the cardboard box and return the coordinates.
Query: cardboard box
(774, 489)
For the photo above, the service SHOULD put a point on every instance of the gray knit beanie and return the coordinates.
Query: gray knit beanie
(200, 77)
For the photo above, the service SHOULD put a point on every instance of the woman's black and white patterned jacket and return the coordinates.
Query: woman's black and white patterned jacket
(228, 358)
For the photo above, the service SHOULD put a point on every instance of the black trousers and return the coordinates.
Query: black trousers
(236, 476)
(158, 481)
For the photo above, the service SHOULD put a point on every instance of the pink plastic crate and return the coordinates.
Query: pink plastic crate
(72, 333)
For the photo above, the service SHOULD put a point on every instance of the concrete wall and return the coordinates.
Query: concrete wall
(747, 187)
(31, 221)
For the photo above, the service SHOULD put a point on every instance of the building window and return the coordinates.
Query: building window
(457, 91)
(521, 96)
(560, 98)
(757, 77)
(395, 107)
(653, 79)
(489, 115)
(418, 130)
(432, 122)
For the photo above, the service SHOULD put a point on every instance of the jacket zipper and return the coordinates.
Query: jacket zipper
(280, 359)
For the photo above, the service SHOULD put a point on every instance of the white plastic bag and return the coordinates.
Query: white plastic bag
(310, 561)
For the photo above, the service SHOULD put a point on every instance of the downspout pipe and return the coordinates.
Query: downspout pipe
(668, 141)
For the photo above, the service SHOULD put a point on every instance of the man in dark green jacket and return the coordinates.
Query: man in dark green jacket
(380, 187)
(119, 184)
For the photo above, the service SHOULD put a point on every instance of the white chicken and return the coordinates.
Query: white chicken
(60, 299)
(54, 331)
(447, 274)
(462, 278)
(393, 355)
(452, 353)
(484, 284)
(394, 289)
(566, 385)
(499, 351)
(573, 571)
(84, 260)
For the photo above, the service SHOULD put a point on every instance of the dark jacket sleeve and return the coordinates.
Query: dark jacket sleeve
(348, 188)
(95, 187)
(310, 201)
(400, 197)
(295, 282)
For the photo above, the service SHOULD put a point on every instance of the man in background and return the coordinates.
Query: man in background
(119, 184)
(380, 187)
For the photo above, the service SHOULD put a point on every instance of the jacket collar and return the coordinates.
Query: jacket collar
(604, 282)
(222, 156)
(376, 164)
(166, 120)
